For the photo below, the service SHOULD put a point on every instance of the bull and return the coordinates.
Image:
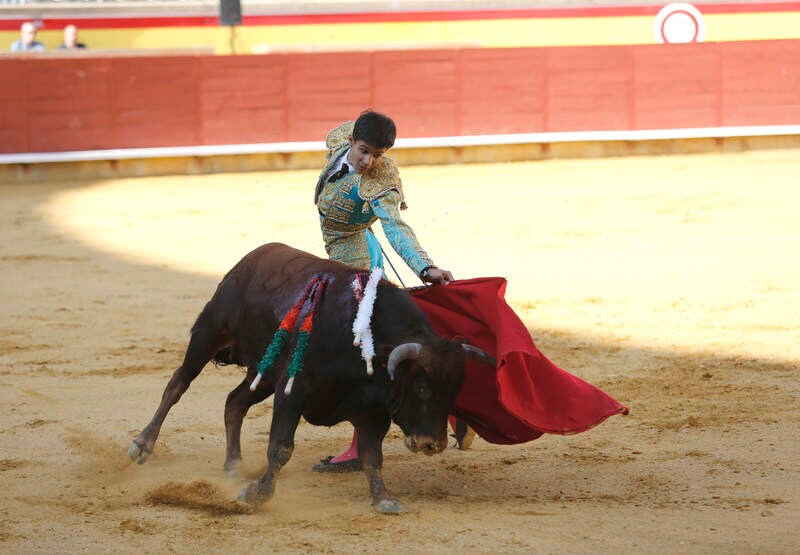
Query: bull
(415, 383)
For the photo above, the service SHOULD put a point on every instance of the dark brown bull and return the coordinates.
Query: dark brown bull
(238, 323)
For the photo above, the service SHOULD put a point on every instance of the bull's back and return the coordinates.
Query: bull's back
(264, 285)
(276, 265)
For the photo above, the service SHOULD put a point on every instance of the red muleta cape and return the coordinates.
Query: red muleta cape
(527, 395)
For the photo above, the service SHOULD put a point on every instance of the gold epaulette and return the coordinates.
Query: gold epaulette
(381, 179)
(338, 136)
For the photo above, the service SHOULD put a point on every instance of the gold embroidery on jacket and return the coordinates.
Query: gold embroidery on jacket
(338, 136)
(381, 179)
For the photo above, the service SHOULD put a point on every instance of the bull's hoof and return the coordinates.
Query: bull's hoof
(231, 468)
(138, 453)
(252, 495)
(390, 507)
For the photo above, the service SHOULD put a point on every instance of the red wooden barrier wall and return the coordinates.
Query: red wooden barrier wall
(97, 103)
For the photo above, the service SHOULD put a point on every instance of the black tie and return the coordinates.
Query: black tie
(340, 174)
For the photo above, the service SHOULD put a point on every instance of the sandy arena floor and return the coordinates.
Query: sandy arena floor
(671, 282)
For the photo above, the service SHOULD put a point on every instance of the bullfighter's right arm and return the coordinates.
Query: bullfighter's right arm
(399, 233)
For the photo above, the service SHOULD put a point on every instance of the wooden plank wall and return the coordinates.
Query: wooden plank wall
(87, 103)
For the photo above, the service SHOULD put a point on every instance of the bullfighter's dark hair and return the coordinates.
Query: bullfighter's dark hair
(376, 129)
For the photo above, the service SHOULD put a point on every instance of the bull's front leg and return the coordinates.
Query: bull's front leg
(286, 413)
(371, 431)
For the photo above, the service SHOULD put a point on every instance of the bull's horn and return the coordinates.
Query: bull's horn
(400, 353)
(480, 355)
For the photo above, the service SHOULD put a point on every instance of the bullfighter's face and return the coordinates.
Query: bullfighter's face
(363, 156)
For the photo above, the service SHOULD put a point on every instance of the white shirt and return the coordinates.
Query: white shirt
(338, 165)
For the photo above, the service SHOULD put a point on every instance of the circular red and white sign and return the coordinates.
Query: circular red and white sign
(679, 23)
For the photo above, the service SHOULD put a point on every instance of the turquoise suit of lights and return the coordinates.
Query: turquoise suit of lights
(349, 206)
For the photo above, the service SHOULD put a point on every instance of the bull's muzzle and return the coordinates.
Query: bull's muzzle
(425, 444)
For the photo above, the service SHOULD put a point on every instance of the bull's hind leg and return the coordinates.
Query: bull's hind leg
(236, 406)
(371, 431)
(203, 344)
(285, 416)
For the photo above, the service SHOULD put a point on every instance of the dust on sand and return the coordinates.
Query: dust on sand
(671, 282)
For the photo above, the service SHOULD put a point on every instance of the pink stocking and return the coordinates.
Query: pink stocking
(351, 453)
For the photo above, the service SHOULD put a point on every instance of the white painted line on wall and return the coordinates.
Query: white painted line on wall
(425, 142)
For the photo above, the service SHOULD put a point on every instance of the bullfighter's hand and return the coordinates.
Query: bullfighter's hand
(439, 276)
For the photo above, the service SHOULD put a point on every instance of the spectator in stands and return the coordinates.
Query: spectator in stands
(71, 39)
(27, 41)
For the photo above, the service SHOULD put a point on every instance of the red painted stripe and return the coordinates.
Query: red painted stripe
(748, 7)
(116, 22)
(7, 24)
